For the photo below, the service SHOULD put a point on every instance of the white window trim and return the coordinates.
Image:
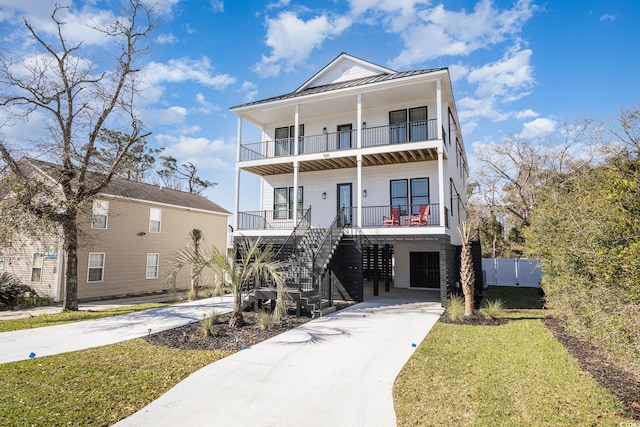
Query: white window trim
(157, 266)
(152, 217)
(100, 207)
(89, 266)
(33, 258)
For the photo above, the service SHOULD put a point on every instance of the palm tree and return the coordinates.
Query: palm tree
(255, 264)
(467, 275)
(195, 237)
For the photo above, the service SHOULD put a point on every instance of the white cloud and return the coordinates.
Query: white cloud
(166, 39)
(174, 115)
(526, 114)
(608, 17)
(509, 76)
(458, 72)
(186, 69)
(217, 6)
(537, 128)
(250, 90)
(435, 32)
(205, 106)
(206, 154)
(292, 40)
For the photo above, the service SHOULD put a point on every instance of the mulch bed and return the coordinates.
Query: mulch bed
(191, 337)
(474, 320)
(593, 360)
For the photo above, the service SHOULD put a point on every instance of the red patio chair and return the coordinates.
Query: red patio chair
(394, 219)
(422, 218)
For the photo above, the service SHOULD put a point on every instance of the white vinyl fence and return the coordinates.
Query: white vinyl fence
(511, 272)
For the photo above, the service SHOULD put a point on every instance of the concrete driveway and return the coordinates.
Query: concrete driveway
(46, 341)
(338, 370)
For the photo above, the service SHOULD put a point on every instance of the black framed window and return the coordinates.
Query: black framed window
(418, 124)
(283, 202)
(398, 126)
(284, 140)
(400, 194)
(419, 193)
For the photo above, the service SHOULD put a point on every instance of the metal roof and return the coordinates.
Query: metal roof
(342, 85)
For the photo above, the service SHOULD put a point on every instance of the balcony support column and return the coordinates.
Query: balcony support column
(359, 124)
(237, 195)
(439, 109)
(295, 190)
(441, 186)
(296, 131)
(360, 189)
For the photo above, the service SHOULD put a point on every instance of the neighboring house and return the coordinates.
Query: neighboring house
(362, 176)
(127, 237)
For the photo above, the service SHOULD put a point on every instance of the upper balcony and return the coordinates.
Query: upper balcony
(398, 143)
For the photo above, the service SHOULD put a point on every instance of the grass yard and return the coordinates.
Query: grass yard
(515, 297)
(72, 316)
(514, 374)
(94, 387)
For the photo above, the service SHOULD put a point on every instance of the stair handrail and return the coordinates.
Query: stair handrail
(359, 237)
(299, 230)
(337, 224)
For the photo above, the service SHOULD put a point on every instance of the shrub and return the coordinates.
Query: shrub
(11, 289)
(455, 308)
(493, 308)
(208, 324)
(265, 320)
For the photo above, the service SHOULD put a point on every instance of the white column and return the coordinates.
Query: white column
(359, 125)
(237, 197)
(359, 187)
(441, 185)
(439, 108)
(295, 193)
(296, 130)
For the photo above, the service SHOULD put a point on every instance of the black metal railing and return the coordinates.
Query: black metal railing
(407, 215)
(423, 130)
(268, 220)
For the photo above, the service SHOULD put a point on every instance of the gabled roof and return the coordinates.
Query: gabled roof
(134, 190)
(343, 68)
(341, 85)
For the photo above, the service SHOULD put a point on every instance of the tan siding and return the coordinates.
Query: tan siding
(19, 261)
(126, 251)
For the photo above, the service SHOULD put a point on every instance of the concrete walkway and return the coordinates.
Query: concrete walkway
(46, 341)
(338, 370)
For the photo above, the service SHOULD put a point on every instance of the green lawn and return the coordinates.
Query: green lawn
(515, 374)
(94, 387)
(72, 316)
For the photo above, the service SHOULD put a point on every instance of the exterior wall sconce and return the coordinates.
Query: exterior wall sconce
(364, 193)
(142, 233)
(324, 195)
(324, 130)
(364, 124)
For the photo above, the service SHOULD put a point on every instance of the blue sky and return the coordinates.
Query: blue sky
(518, 67)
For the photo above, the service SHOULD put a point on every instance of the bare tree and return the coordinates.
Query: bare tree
(175, 177)
(79, 102)
(513, 172)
